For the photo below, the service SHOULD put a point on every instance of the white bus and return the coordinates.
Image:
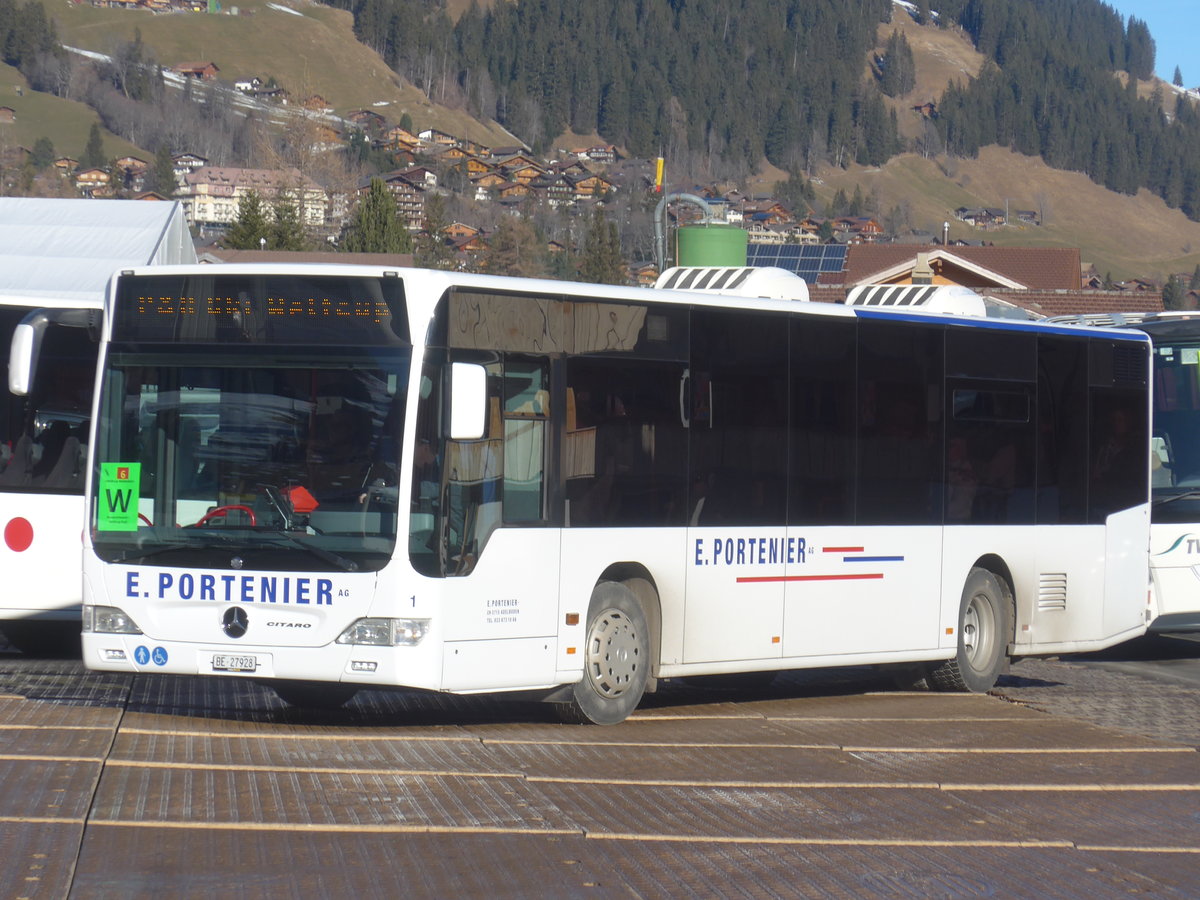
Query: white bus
(43, 464)
(1175, 461)
(332, 478)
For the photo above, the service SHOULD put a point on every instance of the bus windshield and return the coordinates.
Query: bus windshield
(1175, 442)
(237, 456)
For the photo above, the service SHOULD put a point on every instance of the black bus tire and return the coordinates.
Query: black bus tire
(616, 659)
(984, 628)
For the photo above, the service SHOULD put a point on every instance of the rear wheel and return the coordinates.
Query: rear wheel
(984, 627)
(616, 659)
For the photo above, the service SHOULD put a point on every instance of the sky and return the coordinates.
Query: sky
(1175, 27)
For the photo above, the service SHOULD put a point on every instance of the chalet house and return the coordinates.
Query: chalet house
(66, 165)
(272, 95)
(116, 4)
(485, 183)
(476, 166)
(555, 191)
(470, 247)
(8, 115)
(513, 190)
(455, 153)
(604, 153)
(863, 226)
(1027, 216)
(981, 217)
(474, 147)
(433, 136)
(770, 211)
(316, 103)
(183, 163)
(591, 185)
(201, 71)
(421, 175)
(927, 110)
(367, 120)
(248, 85)
(93, 182)
(524, 173)
(456, 230)
(397, 135)
(502, 153)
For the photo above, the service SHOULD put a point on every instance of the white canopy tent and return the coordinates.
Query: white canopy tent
(61, 253)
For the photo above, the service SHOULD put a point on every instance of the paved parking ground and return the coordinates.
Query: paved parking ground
(825, 785)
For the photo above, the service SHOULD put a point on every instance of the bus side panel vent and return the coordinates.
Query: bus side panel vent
(1129, 366)
(1052, 591)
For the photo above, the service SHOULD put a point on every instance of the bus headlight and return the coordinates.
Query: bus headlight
(108, 620)
(386, 632)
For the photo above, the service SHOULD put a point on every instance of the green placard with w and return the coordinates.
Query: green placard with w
(117, 496)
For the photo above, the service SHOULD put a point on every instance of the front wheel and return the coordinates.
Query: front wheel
(984, 626)
(616, 659)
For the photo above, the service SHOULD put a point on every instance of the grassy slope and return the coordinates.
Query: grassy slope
(314, 52)
(65, 122)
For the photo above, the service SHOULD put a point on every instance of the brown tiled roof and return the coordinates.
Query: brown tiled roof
(1063, 303)
(1042, 268)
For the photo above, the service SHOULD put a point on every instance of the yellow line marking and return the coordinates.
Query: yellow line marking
(830, 842)
(347, 737)
(330, 827)
(1067, 788)
(1106, 849)
(42, 820)
(1032, 717)
(193, 766)
(108, 728)
(658, 745)
(800, 785)
(865, 785)
(1019, 750)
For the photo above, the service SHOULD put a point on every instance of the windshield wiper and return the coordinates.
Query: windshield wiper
(283, 539)
(147, 552)
(1186, 495)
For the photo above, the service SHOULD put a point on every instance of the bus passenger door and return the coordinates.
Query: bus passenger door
(738, 486)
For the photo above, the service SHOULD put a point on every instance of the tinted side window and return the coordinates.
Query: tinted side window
(739, 439)
(624, 444)
(900, 423)
(43, 437)
(1120, 440)
(823, 420)
(1062, 435)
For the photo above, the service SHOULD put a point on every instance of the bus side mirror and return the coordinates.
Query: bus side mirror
(27, 342)
(468, 401)
(22, 358)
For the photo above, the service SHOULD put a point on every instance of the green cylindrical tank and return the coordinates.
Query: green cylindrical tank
(711, 245)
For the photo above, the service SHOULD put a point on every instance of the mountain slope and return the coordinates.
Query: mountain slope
(308, 48)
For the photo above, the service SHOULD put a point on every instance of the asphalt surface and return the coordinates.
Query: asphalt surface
(1075, 778)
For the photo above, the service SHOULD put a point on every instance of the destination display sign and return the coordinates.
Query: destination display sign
(261, 308)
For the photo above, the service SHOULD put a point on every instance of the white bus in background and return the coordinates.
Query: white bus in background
(56, 257)
(43, 461)
(331, 478)
(1175, 461)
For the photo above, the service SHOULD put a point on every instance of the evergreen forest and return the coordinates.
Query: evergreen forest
(717, 85)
